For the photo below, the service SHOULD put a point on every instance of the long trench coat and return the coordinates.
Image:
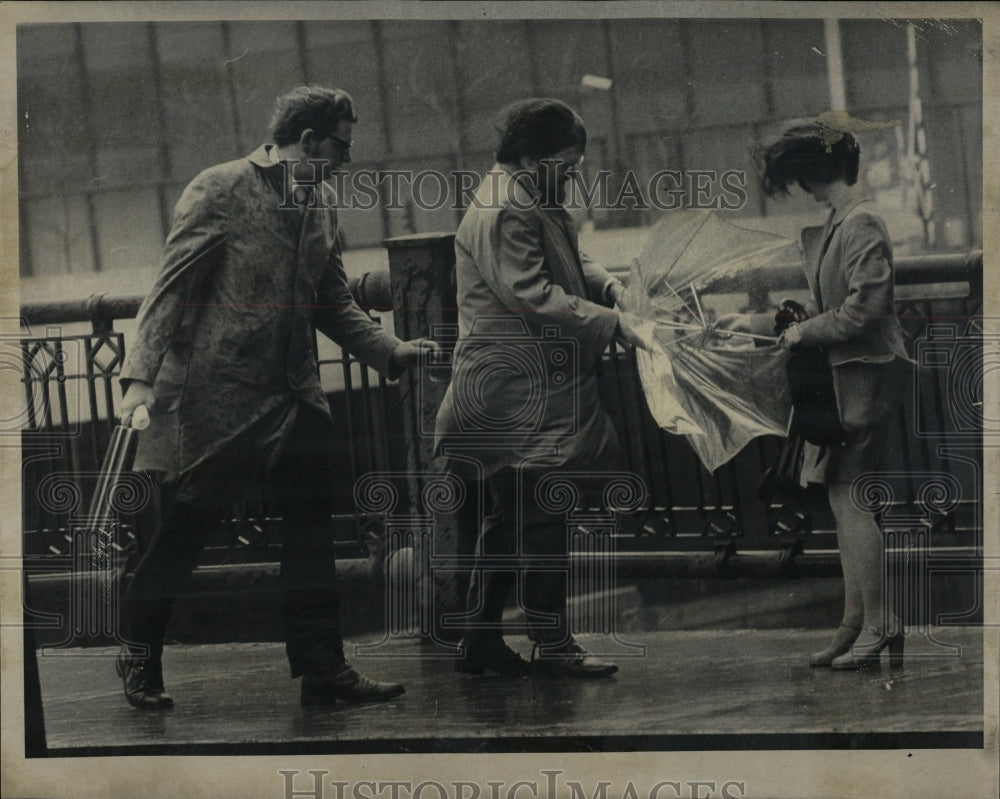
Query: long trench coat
(226, 335)
(533, 323)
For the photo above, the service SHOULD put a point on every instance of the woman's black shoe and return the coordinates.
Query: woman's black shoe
(841, 643)
(868, 649)
(143, 681)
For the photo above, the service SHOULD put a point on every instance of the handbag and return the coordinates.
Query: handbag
(782, 479)
(815, 416)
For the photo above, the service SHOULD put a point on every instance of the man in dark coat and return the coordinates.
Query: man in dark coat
(535, 316)
(224, 361)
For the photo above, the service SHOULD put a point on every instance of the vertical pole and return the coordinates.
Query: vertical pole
(461, 113)
(918, 143)
(230, 86)
(302, 50)
(616, 136)
(378, 45)
(835, 65)
(24, 247)
(162, 144)
(90, 138)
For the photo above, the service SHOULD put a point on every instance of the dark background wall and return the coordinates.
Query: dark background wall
(116, 118)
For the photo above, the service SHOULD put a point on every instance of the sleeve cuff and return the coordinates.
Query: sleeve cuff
(393, 370)
(806, 329)
(608, 331)
(762, 324)
(606, 290)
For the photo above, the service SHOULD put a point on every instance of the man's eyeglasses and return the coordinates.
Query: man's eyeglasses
(344, 144)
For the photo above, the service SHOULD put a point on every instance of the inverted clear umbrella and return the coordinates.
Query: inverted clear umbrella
(719, 389)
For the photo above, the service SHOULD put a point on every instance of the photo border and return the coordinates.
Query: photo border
(793, 772)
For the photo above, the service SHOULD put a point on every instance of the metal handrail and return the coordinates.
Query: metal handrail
(372, 290)
(908, 270)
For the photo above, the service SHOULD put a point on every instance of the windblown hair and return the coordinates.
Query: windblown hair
(305, 107)
(808, 154)
(538, 128)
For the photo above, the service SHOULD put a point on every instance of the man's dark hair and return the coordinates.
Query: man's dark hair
(808, 154)
(538, 128)
(304, 107)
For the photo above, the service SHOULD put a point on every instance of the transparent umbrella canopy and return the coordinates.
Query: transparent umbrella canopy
(718, 389)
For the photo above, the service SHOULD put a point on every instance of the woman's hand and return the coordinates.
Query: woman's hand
(628, 329)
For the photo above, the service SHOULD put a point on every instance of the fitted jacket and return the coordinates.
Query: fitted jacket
(533, 323)
(848, 265)
(226, 335)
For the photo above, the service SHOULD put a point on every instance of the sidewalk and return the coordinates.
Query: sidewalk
(678, 690)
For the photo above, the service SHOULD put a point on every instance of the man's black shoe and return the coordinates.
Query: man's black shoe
(571, 660)
(490, 654)
(143, 681)
(326, 686)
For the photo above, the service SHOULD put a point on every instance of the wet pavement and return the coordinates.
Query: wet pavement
(678, 690)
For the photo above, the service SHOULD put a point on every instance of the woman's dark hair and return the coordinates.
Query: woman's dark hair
(808, 154)
(537, 128)
(304, 107)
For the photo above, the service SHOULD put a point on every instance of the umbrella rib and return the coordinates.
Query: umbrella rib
(664, 280)
(697, 303)
(680, 325)
(677, 294)
(695, 232)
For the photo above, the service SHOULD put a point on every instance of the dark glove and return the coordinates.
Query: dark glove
(788, 313)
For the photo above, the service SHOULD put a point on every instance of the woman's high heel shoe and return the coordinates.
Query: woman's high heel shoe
(868, 650)
(841, 643)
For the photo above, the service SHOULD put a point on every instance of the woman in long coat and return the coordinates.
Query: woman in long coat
(534, 320)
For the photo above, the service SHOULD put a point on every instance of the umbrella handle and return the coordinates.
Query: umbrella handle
(140, 418)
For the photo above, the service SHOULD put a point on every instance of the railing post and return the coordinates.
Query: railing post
(421, 270)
